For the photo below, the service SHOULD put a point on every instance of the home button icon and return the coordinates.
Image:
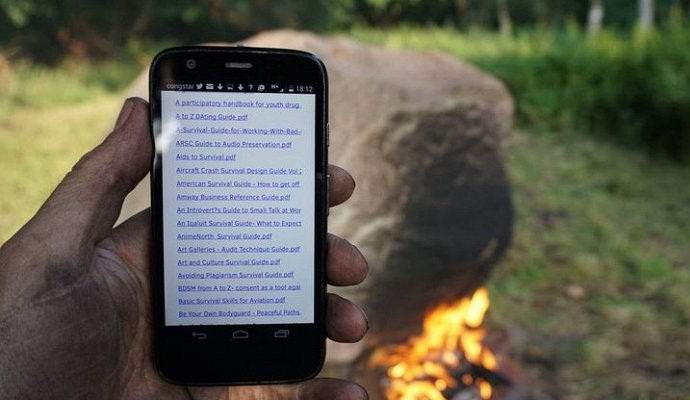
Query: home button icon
(281, 334)
(240, 334)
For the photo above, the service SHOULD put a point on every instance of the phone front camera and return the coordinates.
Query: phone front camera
(191, 64)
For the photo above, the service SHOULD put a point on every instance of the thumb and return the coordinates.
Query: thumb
(85, 205)
(132, 240)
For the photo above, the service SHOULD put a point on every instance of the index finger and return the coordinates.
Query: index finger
(341, 185)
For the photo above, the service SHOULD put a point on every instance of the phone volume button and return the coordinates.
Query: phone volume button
(328, 134)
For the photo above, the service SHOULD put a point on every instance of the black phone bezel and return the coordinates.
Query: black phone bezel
(219, 359)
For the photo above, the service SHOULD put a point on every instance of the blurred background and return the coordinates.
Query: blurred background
(597, 281)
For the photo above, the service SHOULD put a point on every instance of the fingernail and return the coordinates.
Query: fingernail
(364, 394)
(366, 320)
(127, 108)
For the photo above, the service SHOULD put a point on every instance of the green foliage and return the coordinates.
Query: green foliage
(46, 30)
(632, 88)
(481, 13)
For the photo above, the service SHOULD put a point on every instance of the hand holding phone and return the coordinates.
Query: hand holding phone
(77, 301)
(239, 205)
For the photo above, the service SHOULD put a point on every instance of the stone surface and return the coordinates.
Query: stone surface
(423, 136)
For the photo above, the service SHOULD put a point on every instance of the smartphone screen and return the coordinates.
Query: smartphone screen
(239, 213)
(238, 203)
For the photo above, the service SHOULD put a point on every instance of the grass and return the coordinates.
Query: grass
(36, 87)
(49, 117)
(39, 145)
(597, 279)
(594, 288)
(596, 285)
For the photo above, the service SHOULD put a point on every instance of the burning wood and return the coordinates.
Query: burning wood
(448, 358)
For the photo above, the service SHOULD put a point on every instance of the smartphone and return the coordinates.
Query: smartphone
(239, 207)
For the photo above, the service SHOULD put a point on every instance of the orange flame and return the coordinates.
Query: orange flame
(422, 368)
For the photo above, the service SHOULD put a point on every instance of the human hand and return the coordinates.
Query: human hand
(75, 313)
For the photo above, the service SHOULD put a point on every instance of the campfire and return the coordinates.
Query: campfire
(447, 361)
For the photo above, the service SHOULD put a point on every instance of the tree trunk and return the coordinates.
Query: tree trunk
(460, 12)
(596, 17)
(646, 14)
(504, 22)
(681, 9)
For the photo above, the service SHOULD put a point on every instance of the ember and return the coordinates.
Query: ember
(447, 359)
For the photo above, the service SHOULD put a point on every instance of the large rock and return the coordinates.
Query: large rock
(423, 136)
